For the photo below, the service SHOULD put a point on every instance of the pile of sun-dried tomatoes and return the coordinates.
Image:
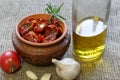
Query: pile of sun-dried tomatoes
(40, 30)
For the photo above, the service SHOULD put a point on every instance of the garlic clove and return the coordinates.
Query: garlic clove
(46, 76)
(57, 62)
(42, 25)
(59, 65)
(31, 75)
(67, 68)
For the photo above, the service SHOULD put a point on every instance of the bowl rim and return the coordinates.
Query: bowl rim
(40, 44)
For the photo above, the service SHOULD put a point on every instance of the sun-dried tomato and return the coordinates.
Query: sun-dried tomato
(40, 38)
(39, 31)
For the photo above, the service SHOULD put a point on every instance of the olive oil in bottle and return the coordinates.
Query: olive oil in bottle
(89, 39)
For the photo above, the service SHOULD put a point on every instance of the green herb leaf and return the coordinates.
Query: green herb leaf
(47, 9)
(50, 19)
(58, 9)
(62, 17)
(54, 11)
(49, 6)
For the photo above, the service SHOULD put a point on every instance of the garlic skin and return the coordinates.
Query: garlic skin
(67, 68)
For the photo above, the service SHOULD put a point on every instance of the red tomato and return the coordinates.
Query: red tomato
(40, 30)
(37, 29)
(10, 61)
(54, 21)
(42, 20)
(50, 35)
(40, 38)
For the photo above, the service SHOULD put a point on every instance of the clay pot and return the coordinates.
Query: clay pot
(41, 53)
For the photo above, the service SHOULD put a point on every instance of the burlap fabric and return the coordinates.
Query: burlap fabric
(107, 68)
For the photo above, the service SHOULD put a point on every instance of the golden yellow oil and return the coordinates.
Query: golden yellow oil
(89, 39)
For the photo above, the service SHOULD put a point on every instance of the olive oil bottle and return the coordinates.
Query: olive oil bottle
(89, 39)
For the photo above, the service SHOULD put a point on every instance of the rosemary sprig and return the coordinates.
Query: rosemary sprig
(54, 11)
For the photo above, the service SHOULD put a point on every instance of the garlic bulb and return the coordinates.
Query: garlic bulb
(67, 68)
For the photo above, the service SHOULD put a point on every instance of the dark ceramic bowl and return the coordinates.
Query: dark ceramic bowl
(41, 53)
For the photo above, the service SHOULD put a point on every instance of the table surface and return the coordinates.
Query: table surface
(107, 68)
